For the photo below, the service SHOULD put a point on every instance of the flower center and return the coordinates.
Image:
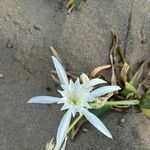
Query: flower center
(74, 101)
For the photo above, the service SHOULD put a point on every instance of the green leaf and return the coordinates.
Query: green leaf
(123, 102)
(145, 106)
(146, 100)
(101, 110)
(126, 92)
(137, 76)
(131, 88)
(145, 111)
(130, 95)
(146, 103)
(148, 93)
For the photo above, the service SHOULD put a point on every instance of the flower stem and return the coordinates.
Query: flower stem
(110, 103)
(124, 102)
(74, 123)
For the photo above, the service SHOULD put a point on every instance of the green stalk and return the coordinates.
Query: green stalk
(124, 102)
(74, 123)
(110, 103)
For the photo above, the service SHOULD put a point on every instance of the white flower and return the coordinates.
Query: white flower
(76, 98)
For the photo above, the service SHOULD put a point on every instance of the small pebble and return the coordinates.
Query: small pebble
(7, 17)
(1, 75)
(36, 28)
(123, 120)
(9, 43)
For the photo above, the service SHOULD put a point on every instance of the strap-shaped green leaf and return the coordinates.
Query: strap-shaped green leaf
(137, 76)
(148, 93)
(145, 111)
(130, 87)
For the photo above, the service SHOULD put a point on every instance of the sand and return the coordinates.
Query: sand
(83, 39)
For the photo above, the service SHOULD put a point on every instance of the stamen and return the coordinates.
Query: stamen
(74, 101)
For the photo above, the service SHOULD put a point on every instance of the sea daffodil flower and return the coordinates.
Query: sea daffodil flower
(76, 97)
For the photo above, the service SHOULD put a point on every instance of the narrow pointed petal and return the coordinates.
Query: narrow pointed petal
(95, 121)
(77, 82)
(86, 104)
(62, 129)
(104, 90)
(61, 92)
(93, 82)
(64, 144)
(60, 71)
(44, 100)
(77, 85)
(61, 101)
(65, 106)
(71, 83)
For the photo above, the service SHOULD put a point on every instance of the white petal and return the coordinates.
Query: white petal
(61, 92)
(64, 87)
(44, 100)
(77, 82)
(93, 82)
(61, 101)
(95, 121)
(104, 90)
(77, 85)
(64, 144)
(71, 83)
(86, 104)
(62, 129)
(60, 71)
(65, 106)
